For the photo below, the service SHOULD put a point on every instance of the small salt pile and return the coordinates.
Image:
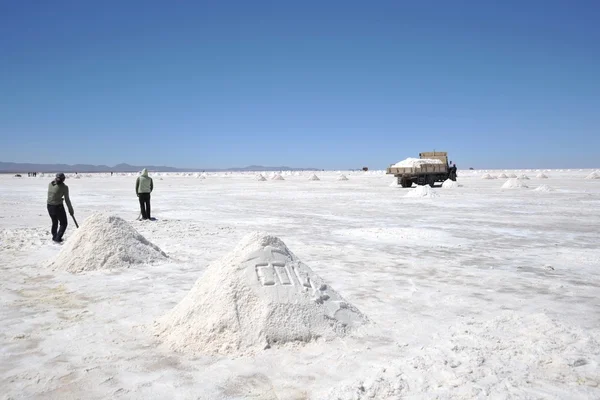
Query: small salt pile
(512, 176)
(260, 177)
(105, 242)
(593, 175)
(342, 178)
(488, 176)
(503, 176)
(277, 177)
(314, 177)
(450, 184)
(523, 177)
(543, 188)
(258, 296)
(541, 176)
(422, 192)
(514, 184)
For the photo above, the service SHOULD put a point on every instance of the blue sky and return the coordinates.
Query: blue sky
(327, 84)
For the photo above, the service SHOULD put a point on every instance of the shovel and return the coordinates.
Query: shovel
(74, 220)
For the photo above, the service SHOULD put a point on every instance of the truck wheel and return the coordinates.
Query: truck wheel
(405, 182)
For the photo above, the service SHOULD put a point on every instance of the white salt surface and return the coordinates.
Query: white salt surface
(422, 192)
(105, 242)
(416, 162)
(258, 296)
(514, 184)
(481, 293)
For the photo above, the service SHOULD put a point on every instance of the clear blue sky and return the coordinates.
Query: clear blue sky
(328, 84)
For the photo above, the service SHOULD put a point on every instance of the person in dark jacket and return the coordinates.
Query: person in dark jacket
(143, 188)
(57, 190)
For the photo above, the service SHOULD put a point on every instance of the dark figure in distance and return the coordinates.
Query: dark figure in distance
(143, 188)
(56, 191)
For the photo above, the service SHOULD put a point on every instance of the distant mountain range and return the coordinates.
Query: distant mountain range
(27, 167)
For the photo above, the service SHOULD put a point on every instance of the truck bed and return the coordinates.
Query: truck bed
(425, 169)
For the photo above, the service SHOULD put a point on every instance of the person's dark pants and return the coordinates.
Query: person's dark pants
(145, 205)
(58, 214)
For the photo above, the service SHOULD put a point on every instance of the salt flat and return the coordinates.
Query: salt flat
(478, 292)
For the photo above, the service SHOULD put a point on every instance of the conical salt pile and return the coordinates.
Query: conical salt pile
(314, 177)
(541, 176)
(513, 176)
(543, 188)
(514, 184)
(258, 296)
(422, 192)
(342, 178)
(487, 176)
(503, 176)
(523, 177)
(105, 242)
(277, 177)
(593, 175)
(450, 184)
(260, 177)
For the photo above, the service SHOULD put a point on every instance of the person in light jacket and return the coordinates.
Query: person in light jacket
(143, 188)
(56, 191)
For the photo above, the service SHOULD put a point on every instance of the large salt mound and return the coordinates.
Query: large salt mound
(105, 242)
(513, 183)
(422, 192)
(258, 296)
(260, 177)
(541, 176)
(416, 162)
(314, 177)
(593, 175)
(543, 188)
(450, 184)
(277, 177)
(342, 178)
(487, 176)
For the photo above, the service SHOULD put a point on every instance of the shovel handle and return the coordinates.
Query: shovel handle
(74, 220)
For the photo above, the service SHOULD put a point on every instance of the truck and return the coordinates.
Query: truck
(425, 173)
